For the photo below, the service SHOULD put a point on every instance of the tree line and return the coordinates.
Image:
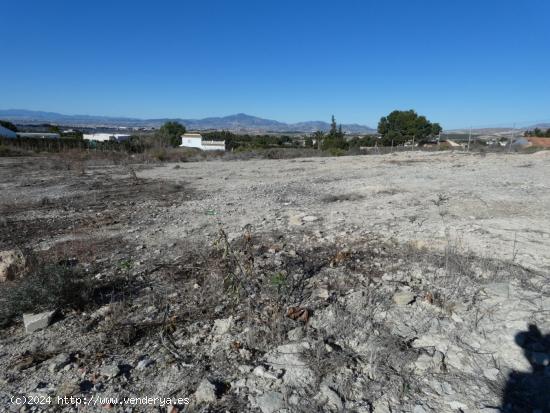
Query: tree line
(537, 132)
(397, 128)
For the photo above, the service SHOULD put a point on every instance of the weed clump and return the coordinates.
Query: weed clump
(50, 286)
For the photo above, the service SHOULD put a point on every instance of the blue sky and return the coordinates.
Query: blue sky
(460, 63)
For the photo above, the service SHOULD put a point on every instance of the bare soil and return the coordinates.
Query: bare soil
(390, 283)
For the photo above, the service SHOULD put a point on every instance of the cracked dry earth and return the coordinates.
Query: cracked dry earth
(414, 282)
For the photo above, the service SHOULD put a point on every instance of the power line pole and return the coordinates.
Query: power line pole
(469, 138)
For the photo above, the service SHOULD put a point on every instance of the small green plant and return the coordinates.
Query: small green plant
(125, 265)
(336, 152)
(278, 281)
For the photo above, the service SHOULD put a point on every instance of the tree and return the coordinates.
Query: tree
(8, 125)
(436, 129)
(335, 138)
(318, 136)
(54, 129)
(402, 126)
(170, 133)
(332, 126)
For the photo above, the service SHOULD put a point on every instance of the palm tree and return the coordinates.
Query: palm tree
(318, 137)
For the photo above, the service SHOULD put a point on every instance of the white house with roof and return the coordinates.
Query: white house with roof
(195, 140)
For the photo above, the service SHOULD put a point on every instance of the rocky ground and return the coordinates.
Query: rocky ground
(414, 282)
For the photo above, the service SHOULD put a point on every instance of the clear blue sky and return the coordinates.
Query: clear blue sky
(483, 62)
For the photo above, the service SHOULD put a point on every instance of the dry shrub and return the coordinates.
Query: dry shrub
(47, 287)
(343, 197)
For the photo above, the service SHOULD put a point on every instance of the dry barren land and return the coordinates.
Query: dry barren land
(412, 282)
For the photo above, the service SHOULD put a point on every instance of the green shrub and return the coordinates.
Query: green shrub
(336, 152)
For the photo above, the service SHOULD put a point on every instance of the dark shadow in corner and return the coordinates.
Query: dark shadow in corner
(530, 392)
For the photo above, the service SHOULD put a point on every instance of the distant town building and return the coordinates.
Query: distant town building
(195, 140)
(7, 133)
(106, 137)
(39, 135)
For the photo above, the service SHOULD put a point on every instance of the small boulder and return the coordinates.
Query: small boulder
(403, 297)
(59, 362)
(222, 326)
(295, 220)
(330, 399)
(110, 371)
(270, 402)
(261, 371)
(310, 218)
(206, 392)
(34, 322)
(144, 363)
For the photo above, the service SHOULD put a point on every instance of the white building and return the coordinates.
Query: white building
(195, 140)
(106, 137)
(7, 133)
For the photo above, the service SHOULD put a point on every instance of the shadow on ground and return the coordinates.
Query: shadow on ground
(530, 392)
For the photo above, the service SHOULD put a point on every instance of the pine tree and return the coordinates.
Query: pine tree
(333, 127)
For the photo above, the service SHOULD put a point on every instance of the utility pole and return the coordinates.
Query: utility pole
(469, 138)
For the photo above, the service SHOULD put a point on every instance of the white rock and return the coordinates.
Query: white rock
(322, 293)
(34, 322)
(296, 334)
(58, 362)
(403, 297)
(419, 409)
(310, 218)
(491, 374)
(206, 392)
(144, 363)
(260, 371)
(222, 326)
(288, 357)
(270, 402)
(110, 371)
(330, 398)
(425, 362)
(456, 405)
(245, 368)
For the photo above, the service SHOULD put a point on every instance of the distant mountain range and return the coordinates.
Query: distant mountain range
(237, 123)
